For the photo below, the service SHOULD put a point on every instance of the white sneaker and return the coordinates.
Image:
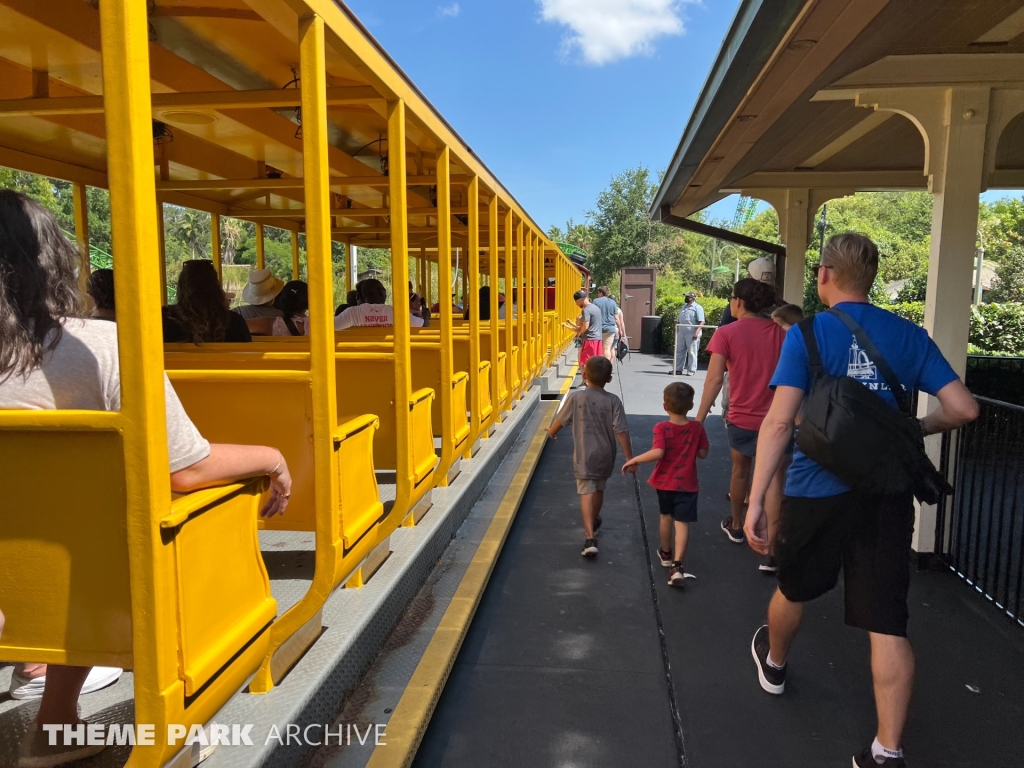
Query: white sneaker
(23, 687)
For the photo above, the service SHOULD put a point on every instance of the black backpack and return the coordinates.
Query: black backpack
(856, 435)
(622, 351)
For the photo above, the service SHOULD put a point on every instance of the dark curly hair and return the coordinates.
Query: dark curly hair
(101, 288)
(292, 300)
(38, 284)
(755, 295)
(201, 302)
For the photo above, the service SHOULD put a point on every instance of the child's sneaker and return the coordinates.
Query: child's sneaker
(866, 760)
(665, 557)
(736, 536)
(676, 575)
(590, 548)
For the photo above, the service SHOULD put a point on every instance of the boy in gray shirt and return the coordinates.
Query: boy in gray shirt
(598, 421)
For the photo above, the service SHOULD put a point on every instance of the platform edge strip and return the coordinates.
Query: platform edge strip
(409, 722)
(567, 384)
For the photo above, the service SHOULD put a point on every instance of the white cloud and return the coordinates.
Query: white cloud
(448, 11)
(607, 30)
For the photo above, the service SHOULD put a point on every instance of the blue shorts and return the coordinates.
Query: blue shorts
(681, 506)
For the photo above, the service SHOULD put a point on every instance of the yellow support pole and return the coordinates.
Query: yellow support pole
(444, 278)
(129, 131)
(80, 203)
(472, 273)
(327, 493)
(509, 343)
(531, 325)
(492, 280)
(400, 302)
(215, 244)
(161, 251)
(261, 257)
(348, 266)
(295, 255)
(521, 306)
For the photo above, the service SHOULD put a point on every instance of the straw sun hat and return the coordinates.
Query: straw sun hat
(262, 287)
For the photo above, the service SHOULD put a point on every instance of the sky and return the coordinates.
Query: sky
(558, 96)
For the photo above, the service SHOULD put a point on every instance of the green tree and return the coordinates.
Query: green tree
(1010, 277)
(580, 235)
(622, 227)
(1001, 228)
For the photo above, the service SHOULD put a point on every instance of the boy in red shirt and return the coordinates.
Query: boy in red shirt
(678, 443)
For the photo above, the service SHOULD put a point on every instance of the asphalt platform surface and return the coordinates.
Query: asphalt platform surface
(564, 663)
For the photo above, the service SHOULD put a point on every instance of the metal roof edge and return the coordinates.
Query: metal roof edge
(757, 29)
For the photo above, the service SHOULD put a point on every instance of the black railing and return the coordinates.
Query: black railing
(980, 529)
(998, 378)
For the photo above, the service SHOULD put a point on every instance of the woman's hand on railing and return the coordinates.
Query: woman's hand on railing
(280, 491)
(230, 463)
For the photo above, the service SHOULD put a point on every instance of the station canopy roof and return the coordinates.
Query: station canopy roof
(787, 102)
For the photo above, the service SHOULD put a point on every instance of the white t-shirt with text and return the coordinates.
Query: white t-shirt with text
(371, 316)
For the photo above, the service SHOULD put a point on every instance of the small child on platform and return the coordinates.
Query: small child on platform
(678, 443)
(787, 316)
(598, 421)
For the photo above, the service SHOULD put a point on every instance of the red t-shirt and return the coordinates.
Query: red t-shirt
(677, 469)
(751, 347)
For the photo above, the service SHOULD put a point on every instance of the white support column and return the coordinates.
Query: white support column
(795, 223)
(353, 266)
(957, 182)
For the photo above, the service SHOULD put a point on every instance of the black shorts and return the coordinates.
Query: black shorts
(867, 537)
(681, 506)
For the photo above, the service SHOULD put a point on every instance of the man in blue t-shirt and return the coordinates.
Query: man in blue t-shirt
(609, 309)
(824, 526)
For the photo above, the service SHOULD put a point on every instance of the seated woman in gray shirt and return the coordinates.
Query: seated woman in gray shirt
(52, 358)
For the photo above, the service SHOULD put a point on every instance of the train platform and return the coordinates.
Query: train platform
(571, 662)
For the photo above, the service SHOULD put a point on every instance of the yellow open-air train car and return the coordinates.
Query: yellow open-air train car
(271, 105)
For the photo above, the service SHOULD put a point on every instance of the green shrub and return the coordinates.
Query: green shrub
(669, 306)
(995, 328)
(998, 328)
(908, 310)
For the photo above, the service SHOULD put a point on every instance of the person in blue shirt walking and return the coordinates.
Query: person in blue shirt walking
(609, 309)
(691, 317)
(825, 527)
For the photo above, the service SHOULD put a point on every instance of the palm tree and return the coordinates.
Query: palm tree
(232, 235)
(193, 228)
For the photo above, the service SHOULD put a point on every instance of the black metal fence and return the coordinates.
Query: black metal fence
(980, 529)
(997, 378)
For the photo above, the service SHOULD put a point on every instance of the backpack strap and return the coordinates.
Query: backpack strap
(813, 355)
(876, 357)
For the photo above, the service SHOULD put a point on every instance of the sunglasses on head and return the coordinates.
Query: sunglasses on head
(816, 268)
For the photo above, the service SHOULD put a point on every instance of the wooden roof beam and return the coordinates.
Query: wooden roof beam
(216, 100)
(337, 182)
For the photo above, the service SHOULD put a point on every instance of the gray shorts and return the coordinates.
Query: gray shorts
(585, 485)
(743, 441)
